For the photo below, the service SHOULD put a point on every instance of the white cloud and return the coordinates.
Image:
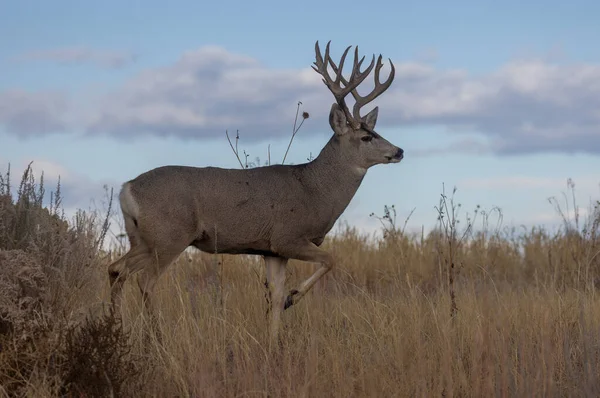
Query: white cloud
(205, 92)
(28, 113)
(524, 106)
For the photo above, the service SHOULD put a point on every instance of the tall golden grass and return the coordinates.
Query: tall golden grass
(526, 319)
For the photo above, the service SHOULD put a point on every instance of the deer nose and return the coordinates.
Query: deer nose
(399, 154)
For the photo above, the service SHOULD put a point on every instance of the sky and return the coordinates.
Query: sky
(498, 99)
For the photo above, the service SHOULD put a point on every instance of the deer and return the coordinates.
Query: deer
(279, 212)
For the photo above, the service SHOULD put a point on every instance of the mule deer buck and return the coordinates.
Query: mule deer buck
(280, 212)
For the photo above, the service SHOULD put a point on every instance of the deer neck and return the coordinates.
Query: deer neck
(336, 177)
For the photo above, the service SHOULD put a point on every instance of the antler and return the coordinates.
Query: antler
(356, 77)
(335, 86)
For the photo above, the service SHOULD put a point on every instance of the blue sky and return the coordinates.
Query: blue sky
(501, 99)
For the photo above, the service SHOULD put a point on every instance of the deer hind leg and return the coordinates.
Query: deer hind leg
(275, 267)
(133, 261)
(307, 251)
(150, 274)
(147, 280)
(118, 271)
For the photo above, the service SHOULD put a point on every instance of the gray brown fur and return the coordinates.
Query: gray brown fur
(279, 211)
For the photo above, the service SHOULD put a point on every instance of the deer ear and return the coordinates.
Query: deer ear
(337, 120)
(370, 119)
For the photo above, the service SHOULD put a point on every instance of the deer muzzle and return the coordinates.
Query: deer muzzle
(398, 156)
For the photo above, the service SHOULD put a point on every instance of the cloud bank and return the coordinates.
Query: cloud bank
(26, 113)
(524, 106)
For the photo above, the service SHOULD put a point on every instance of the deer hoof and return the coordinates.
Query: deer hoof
(289, 301)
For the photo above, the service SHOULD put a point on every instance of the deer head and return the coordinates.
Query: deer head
(356, 133)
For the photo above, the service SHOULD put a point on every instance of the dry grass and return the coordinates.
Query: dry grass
(527, 319)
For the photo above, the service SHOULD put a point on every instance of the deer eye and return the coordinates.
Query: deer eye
(366, 138)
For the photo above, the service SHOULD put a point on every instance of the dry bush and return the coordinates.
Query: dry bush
(97, 361)
(49, 274)
(27, 335)
(23, 290)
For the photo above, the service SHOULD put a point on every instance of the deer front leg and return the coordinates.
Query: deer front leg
(307, 251)
(275, 267)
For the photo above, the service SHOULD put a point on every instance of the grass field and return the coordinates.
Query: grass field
(520, 318)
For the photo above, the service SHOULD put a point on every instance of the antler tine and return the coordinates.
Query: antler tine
(357, 77)
(318, 57)
(341, 67)
(318, 64)
(377, 91)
